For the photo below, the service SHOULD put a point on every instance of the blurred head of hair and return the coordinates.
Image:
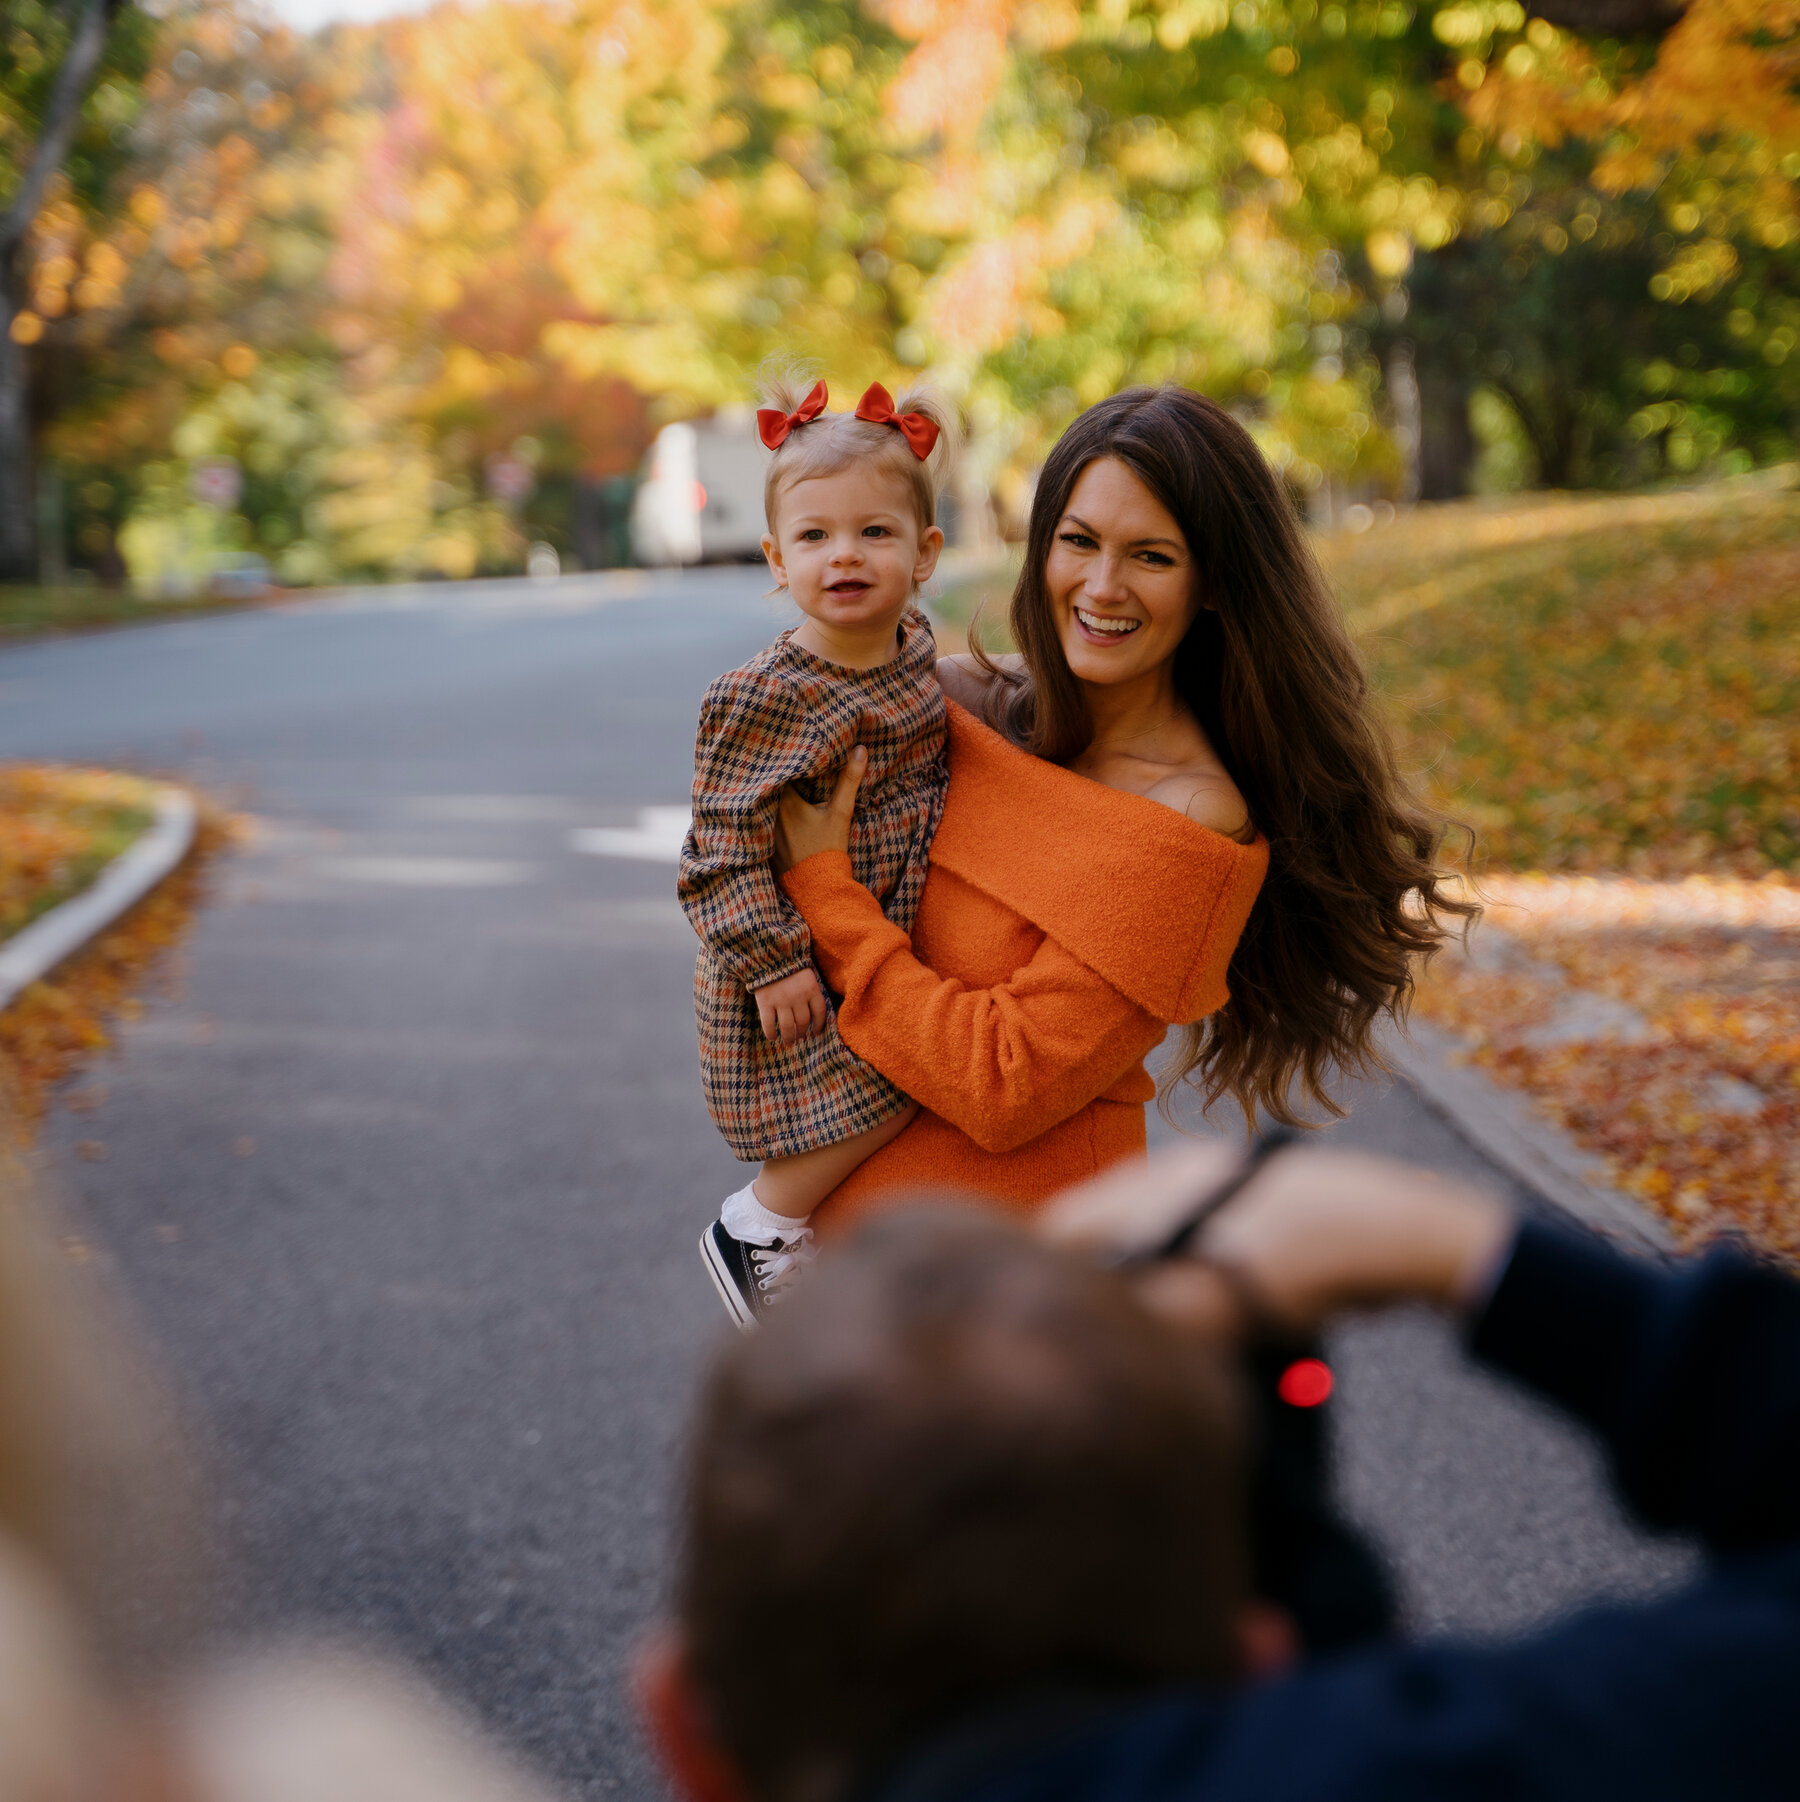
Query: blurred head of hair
(52, 1719)
(834, 442)
(959, 1467)
(107, 1584)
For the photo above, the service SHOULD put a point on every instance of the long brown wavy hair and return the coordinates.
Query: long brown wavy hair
(1355, 890)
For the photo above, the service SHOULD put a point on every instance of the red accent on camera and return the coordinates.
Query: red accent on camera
(1305, 1383)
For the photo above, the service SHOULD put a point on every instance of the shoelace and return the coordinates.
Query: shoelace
(778, 1266)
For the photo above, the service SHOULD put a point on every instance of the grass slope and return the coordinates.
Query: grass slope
(1597, 684)
(58, 829)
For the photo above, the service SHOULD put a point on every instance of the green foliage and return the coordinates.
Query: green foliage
(31, 611)
(34, 36)
(364, 266)
(1556, 309)
(334, 489)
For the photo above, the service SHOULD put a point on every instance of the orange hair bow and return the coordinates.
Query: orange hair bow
(877, 406)
(773, 425)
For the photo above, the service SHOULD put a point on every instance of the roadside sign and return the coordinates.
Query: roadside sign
(218, 482)
(509, 479)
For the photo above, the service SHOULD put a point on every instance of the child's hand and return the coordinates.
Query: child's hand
(791, 1007)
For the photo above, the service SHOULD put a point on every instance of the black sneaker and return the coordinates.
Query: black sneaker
(751, 1279)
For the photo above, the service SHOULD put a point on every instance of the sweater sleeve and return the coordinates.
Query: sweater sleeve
(754, 739)
(1001, 1064)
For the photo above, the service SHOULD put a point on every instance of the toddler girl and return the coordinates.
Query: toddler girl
(851, 505)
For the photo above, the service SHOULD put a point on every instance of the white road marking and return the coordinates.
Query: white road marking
(483, 810)
(427, 872)
(656, 838)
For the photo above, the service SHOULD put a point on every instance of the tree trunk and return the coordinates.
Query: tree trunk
(1446, 440)
(1610, 18)
(1551, 430)
(62, 113)
(1400, 377)
(18, 490)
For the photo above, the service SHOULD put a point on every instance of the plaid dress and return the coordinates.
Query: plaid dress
(788, 716)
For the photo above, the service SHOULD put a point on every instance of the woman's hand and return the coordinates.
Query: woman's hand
(803, 830)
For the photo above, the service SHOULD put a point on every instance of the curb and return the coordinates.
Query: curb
(1500, 1124)
(41, 946)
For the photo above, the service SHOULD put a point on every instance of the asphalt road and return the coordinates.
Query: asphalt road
(407, 1175)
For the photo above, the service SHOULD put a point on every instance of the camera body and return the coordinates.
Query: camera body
(1304, 1555)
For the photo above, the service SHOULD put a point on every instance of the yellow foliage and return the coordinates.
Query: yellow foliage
(60, 1023)
(58, 828)
(1726, 74)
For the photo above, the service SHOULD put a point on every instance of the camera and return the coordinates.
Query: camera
(1304, 1555)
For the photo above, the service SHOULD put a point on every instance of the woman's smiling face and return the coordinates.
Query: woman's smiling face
(1120, 577)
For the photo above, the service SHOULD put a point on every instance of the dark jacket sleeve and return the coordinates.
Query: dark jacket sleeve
(1690, 1376)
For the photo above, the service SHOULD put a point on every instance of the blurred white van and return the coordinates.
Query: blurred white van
(700, 497)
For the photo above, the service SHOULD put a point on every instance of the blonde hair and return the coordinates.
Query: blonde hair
(835, 441)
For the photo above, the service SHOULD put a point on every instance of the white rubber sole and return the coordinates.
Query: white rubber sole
(741, 1318)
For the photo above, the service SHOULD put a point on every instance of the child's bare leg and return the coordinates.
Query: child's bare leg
(760, 1243)
(793, 1186)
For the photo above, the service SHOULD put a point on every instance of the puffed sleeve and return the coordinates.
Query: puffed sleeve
(754, 738)
(1001, 1064)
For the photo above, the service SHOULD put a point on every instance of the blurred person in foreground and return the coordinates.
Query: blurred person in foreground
(968, 1520)
(110, 1687)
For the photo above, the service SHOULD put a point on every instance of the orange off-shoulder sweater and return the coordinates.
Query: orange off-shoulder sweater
(1063, 928)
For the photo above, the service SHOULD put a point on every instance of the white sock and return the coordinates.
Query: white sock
(747, 1219)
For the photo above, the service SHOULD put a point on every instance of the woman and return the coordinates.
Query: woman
(1184, 732)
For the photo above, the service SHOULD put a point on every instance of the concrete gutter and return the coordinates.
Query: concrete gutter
(31, 954)
(1499, 1123)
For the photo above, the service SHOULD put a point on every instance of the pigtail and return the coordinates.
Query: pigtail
(946, 455)
(783, 380)
(820, 442)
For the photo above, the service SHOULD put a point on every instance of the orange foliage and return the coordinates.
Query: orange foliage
(61, 1023)
(60, 827)
(450, 241)
(1697, 1110)
(155, 293)
(1726, 74)
(946, 84)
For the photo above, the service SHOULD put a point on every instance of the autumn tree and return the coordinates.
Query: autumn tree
(49, 61)
(570, 217)
(373, 269)
(1444, 196)
(445, 280)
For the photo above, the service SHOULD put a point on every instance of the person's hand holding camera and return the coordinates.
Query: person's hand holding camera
(1314, 1233)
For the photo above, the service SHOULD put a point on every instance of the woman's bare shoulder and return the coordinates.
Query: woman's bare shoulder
(967, 683)
(1209, 798)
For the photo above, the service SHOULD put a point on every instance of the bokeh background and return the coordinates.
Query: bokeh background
(402, 297)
